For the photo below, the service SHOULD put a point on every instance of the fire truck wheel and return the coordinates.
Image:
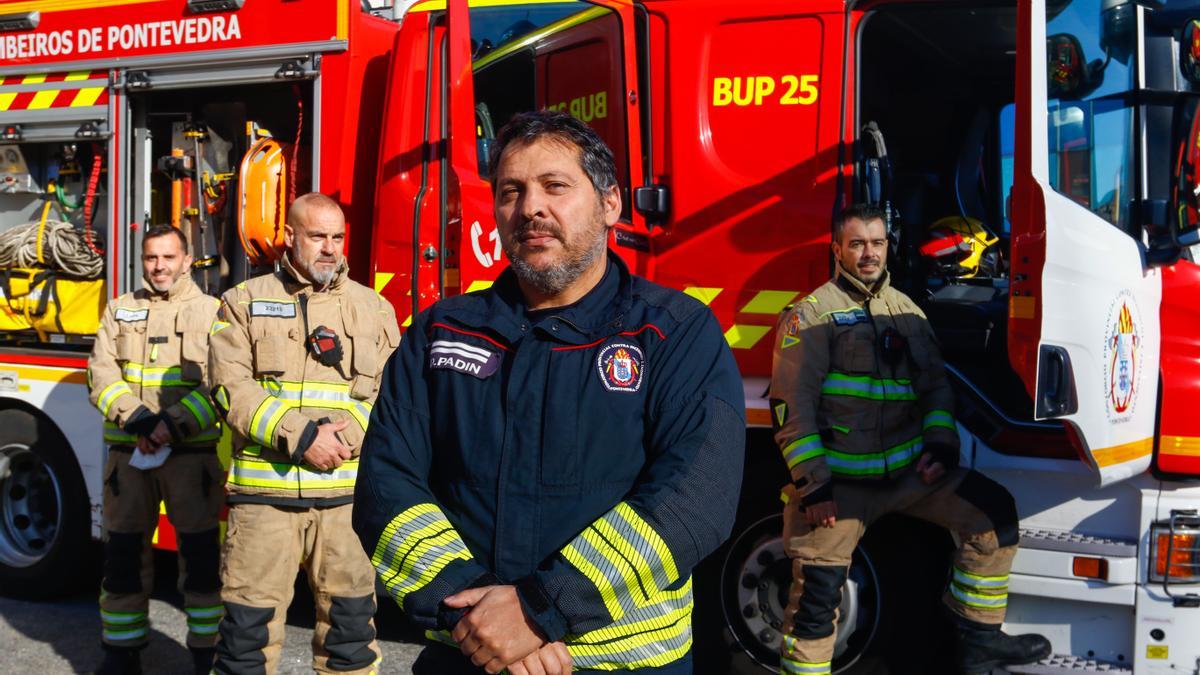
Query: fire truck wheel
(44, 515)
(753, 575)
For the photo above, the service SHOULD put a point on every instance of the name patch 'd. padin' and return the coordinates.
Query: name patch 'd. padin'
(464, 358)
(621, 367)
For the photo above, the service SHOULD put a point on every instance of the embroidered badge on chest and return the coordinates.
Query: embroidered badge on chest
(621, 366)
(464, 358)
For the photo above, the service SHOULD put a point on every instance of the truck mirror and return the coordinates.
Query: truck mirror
(1068, 74)
(1189, 51)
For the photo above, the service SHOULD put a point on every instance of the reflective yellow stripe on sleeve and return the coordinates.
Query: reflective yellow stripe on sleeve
(414, 548)
(110, 394)
(622, 555)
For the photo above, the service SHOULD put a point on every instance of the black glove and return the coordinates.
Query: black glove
(943, 453)
(142, 422)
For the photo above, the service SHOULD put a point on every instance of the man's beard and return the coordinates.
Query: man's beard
(163, 288)
(556, 277)
(319, 278)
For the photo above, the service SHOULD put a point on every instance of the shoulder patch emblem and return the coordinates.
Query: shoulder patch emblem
(273, 308)
(130, 315)
(464, 358)
(849, 317)
(621, 366)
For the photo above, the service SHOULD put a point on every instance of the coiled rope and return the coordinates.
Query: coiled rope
(50, 243)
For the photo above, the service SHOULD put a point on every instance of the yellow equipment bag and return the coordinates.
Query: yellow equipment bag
(49, 301)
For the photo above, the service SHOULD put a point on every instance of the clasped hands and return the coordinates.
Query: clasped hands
(497, 636)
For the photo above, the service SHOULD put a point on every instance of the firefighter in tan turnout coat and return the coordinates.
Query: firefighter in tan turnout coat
(863, 413)
(296, 361)
(147, 375)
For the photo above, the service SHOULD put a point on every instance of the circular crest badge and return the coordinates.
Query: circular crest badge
(621, 366)
(1122, 357)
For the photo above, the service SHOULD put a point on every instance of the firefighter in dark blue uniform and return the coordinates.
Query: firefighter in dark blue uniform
(549, 459)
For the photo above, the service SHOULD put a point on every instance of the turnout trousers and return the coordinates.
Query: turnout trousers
(265, 545)
(979, 512)
(192, 485)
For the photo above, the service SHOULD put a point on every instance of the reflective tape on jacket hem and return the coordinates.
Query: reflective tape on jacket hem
(115, 435)
(655, 635)
(251, 472)
(874, 463)
(790, 667)
(862, 386)
(123, 635)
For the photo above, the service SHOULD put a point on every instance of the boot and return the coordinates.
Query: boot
(982, 648)
(202, 659)
(120, 661)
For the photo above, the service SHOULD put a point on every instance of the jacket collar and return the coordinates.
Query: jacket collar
(296, 282)
(597, 315)
(856, 288)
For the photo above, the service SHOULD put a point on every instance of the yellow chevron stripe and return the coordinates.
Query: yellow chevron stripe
(478, 285)
(30, 79)
(76, 75)
(741, 336)
(6, 101)
(382, 279)
(769, 302)
(703, 294)
(43, 99)
(87, 97)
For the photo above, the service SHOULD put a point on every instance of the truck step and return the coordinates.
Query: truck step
(1074, 542)
(1065, 663)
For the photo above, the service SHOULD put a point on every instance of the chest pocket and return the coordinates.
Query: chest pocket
(131, 334)
(854, 349)
(191, 324)
(367, 332)
(269, 337)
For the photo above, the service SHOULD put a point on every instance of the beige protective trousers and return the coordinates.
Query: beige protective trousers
(192, 483)
(979, 512)
(265, 545)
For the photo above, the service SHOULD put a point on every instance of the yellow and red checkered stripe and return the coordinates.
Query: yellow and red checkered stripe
(80, 89)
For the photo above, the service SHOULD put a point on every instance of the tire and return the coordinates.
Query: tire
(45, 516)
(891, 621)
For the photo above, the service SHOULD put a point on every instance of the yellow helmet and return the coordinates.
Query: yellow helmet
(961, 246)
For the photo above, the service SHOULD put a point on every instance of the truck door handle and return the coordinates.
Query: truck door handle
(1056, 383)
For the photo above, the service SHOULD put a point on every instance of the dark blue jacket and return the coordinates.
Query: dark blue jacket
(591, 457)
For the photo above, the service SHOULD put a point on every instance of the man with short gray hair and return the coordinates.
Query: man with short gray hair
(296, 360)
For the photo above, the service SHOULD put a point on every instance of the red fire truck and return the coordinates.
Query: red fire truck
(1039, 163)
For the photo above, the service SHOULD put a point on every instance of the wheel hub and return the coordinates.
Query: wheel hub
(30, 506)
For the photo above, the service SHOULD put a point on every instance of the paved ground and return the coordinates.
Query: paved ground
(63, 635)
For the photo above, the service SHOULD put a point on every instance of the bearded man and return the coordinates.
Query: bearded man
(549, 458)
(296, 359)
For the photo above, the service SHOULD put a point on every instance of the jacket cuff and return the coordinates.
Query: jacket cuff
(823, 493)
(944, 453)
(303, 441)
(141, 422)
(448, 617)
(541, 609)
(178, 433)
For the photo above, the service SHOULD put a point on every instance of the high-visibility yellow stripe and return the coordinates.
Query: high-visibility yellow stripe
(6, 101)
(703, 293)
(77, 75)
(36, 78)
(86, 97)
(741, 336)
(43, 99)
(382, 279)
(769, 302)
(479, 285)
